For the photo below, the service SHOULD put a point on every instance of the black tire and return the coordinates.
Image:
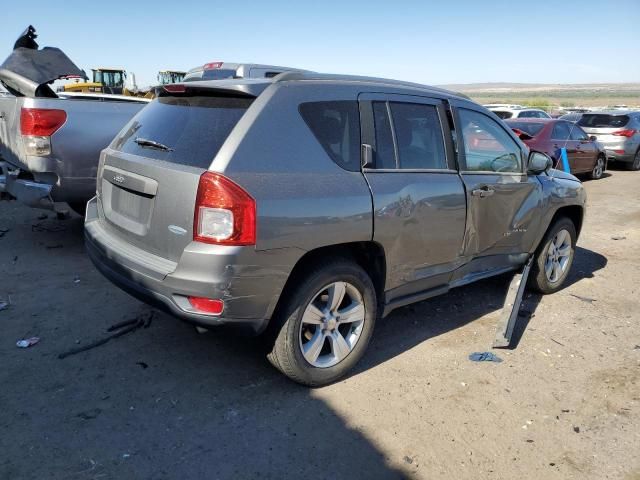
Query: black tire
(635, 164)
(598, 168)
(79, 207)
(539, 279)
(286, 351)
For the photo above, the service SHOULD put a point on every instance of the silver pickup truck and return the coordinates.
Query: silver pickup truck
(50, 143)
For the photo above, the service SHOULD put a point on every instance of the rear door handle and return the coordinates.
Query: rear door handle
(483, 192)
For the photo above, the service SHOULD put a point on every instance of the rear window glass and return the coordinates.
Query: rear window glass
(530, 128)
(503, 115)
(336, 125)
(599, 120)
(213, 74)
(192, 127)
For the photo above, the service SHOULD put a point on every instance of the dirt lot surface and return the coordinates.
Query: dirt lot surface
(168, 403)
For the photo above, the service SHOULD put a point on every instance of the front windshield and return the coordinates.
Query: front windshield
(166, 78)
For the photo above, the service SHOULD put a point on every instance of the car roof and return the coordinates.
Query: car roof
(612, 112)
(531, 120)
(255, 86)
(236, 66)
(368, 81)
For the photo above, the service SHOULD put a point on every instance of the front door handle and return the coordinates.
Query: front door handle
(483, 192)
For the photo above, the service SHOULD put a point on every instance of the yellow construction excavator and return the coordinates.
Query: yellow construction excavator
(113, 81)
(105, 80)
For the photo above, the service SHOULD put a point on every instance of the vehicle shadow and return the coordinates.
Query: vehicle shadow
(586, 263)
(585, 177)
(162, 402)
(414, 324)
(166, 402)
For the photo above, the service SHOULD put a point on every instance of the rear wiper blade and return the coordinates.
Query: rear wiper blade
(143, 142)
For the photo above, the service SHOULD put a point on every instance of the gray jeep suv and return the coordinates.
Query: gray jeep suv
(306, 206)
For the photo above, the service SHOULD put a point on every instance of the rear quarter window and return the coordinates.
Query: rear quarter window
(336, 126)
(192, 127)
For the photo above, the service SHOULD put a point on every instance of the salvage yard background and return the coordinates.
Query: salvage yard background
(166, 402)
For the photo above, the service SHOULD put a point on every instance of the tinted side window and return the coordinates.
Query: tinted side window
(336, 125)
(385, 156)
(578, 134)
(487, 146)
(418, 136)
(560, 131)
(526, 114)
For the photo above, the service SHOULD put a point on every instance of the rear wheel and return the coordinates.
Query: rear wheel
(598, 169)
(554, 257)
(635, 164)
(326, 324)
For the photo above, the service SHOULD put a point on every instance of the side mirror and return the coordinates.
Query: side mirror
(593, 138)
(538, 163)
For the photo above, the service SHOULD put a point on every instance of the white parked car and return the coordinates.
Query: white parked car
(505, 111)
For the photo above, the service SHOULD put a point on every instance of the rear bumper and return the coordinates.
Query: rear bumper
(44, 190)
(620, 157)
(29, 192)
(621, 152)
(249, 295)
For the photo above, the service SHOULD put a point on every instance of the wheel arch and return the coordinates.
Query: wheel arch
(369, 255)
(575, 213)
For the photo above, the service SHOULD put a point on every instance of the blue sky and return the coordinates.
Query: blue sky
(427, 42)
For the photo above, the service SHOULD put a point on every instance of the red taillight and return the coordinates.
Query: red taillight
(225, 214)
(41, 122)
(175, 88)
(212, 65)
(211, 306)
(629, 132)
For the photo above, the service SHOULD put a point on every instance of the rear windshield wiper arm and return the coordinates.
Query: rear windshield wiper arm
(143, 142)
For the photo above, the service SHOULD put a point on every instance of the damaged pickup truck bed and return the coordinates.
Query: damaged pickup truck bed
(50, 143)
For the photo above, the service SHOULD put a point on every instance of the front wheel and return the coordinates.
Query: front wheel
(326, 324)
(554, 257)
(598, 169)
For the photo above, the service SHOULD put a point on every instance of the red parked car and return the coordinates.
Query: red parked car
(584, 153)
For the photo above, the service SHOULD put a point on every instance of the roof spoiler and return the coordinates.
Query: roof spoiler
(27, 71)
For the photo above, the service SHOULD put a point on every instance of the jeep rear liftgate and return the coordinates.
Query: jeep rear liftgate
(150, 177)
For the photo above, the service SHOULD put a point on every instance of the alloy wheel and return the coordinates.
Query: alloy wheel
(558, 255)
(599, 168)
(331, 324)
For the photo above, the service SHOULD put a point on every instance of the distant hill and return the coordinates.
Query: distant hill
(588, 94)
(540, 87)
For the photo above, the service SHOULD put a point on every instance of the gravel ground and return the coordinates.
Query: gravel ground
(166, 402)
